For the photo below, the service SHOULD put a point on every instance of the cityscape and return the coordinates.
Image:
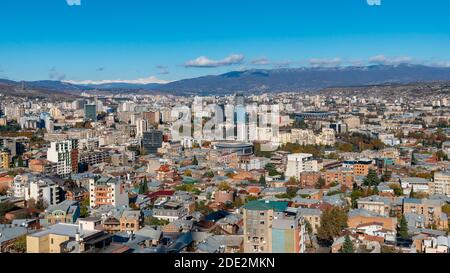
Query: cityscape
(236, 154)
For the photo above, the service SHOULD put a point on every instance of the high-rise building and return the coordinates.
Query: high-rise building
(142, 126)
(90, 112)
(65, 154)
(299, 163)
(151, 141)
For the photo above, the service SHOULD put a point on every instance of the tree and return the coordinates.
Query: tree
(320, 183)
(332, 222)
(224, 186)
(411, 193)
(84, 208)
(398, 190)
(262, 180)
(144, 186)
(153, 221)
(413, 159)
(20, 244)
(292, 180)
(194, 161)
(355, 195)
(271, 169)
(371, 178)
(5, 207)
(403, 228)
(348, 246)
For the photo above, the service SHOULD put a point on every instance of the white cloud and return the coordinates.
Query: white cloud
(204, 61)
(381, 59)
(73, 2)
(261, 61)
(325, 62)
(150, 79)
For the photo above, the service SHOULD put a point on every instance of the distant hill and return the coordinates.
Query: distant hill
(270, 80)
(307, 79)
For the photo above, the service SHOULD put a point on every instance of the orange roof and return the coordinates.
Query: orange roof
(253, 189)
(164, 168)
(6, 179)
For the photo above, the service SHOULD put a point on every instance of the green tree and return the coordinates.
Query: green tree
(209, 174)
(348, 246)
(262, 180)
(412, 193)
(332, 222)
(153, 221)
(84, 208)
(371, 179)
(271, 169)
(403, 228)
(357, 193)
(194, 161)
(145, 185)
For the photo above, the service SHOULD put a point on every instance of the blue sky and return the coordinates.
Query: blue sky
(166, 40)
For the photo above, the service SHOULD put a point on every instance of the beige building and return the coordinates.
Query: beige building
(441, 184)
(56, 237)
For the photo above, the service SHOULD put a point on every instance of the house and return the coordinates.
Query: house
(131, 220)
(169, 210)
(312, 216)
(383, 206)
(67, 211)
(358, 217)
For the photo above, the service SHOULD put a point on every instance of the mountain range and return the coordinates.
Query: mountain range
(264, 80)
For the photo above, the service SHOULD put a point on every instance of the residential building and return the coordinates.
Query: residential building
(107, 191)
(299, 163)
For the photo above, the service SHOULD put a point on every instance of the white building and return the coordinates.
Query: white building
(60, 153)
(142, 126)
(43, 189)
(299, 163)
(107, 191)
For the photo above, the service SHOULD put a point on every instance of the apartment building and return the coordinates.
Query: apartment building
(65, 154)
(342, 177)
(107, 191)
(299, 163)
(43, 189)
(431, 209)
(270, 228)
(441, 184)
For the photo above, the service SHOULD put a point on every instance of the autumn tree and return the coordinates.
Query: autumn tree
(332, 222)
